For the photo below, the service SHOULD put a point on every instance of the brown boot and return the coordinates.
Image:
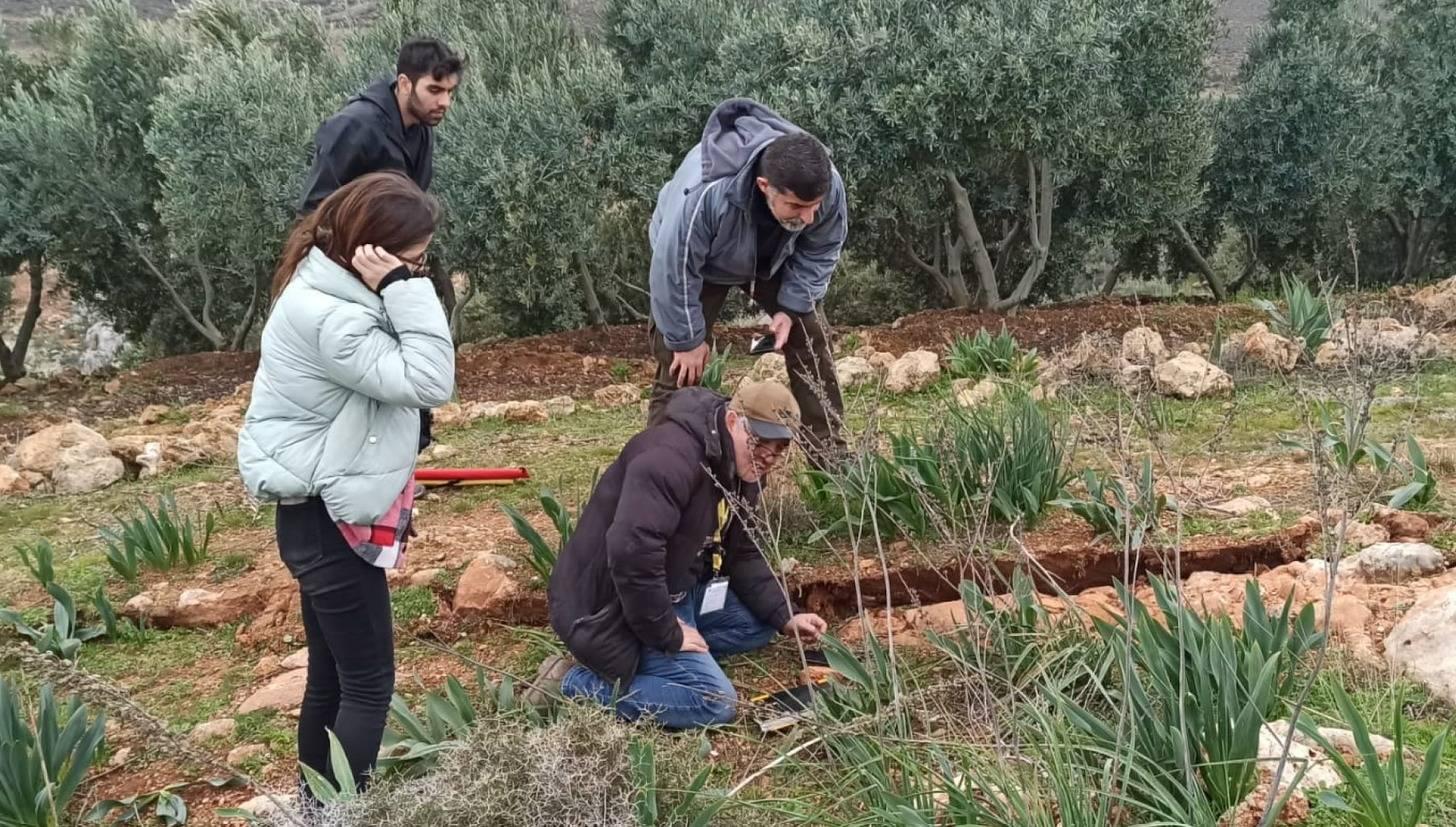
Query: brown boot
(545, 690)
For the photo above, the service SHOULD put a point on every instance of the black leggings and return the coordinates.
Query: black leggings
(347, 618)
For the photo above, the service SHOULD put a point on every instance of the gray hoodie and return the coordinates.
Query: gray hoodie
(703, 230)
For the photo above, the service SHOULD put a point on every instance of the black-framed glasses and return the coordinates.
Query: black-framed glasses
(419, 266)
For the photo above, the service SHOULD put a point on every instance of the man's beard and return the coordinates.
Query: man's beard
(793, 225)
(422, 114)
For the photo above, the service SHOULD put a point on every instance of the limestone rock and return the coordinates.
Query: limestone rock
(1437, 303)
(42, 451)
(200, 608)
(1363, 535)
(239, 756)
(297, 660)
(483, 588)
(450, 415)
(79, 473)
(1420, 644)
(264, 807)
(425, 577)
(914, 371)
(1095, 355)
(1395, 562)
(1241, 506)
(1189, 376)
(1404, 527)
(150, 460)
(972, 394)
(771, 367)
(484, 410)
(524, 412)
(282, 693)
(152, 414)
(617, 396)
(1143, 346)
(214, 730)
(881, 363)
(1270, 350)
(560, 406)
(853, 371)
(11, 482)
(1381, 342)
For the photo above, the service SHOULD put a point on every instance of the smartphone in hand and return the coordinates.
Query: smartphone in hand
(761, 345)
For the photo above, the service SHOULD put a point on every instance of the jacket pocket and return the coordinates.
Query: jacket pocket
(602, 642)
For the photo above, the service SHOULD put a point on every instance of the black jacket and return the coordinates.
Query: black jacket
(367, 135)
(641, 536)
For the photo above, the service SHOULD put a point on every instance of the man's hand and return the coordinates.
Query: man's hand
(808, 626)
(688, 365)
(692, 641)
(780, 326)
(373, 264)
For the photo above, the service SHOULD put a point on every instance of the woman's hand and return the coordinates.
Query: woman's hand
(373, 264)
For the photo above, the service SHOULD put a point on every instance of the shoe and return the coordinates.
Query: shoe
(546, 688)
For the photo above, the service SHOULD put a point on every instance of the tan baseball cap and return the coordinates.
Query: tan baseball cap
(769, 407)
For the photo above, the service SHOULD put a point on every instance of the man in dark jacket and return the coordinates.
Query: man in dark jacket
(390, 127)
(661, 574)
(755, 205)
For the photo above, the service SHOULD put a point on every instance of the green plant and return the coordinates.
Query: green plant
(61, 637)
(1306, 317)
(163, 806)
(1377, 793)
(1007, 460)
(42, 764)
(115, 627)
(1215, 348)
(621, 370)
(1126, 517)
(850, 343)
(984, 354)
(413, 743)
(162, 539)
(688, 810)
(331, 790)
(1195, 693)
(543, 555)
(1421, 490)
(716, 370)
(1344, 441)
(40, 560)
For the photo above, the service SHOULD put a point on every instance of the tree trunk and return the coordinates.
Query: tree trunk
(955, 274)
(589, 293)
(12, 359)
(1215, 283)
(949, 280)
(1112, 274)
(457, 313)
(1039, 196)
(1251, 263)
(245, 325)
(970, 231)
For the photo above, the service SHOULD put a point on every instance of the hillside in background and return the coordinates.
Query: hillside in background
(1241, 16)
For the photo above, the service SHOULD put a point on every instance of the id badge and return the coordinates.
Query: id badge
(713, 597)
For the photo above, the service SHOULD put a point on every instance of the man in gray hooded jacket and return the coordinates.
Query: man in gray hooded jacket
(757, 205)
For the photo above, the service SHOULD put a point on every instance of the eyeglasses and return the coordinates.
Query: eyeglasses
(420, 265)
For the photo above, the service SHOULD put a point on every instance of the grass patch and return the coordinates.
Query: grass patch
(230, 566)
(185, 676)
(413, 602)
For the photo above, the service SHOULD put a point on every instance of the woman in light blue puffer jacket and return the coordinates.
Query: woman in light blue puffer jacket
(354, 346)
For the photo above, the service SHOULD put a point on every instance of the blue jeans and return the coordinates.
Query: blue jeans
(682, 690)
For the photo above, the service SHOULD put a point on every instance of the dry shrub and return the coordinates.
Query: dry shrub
(574, 771)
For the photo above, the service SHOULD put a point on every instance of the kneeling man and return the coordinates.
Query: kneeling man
(661, 577)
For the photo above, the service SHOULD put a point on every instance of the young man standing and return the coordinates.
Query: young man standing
(755, 205)
(661, 576)
(390, 126)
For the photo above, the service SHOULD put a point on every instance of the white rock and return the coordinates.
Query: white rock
(914, 371)
(1189, 376)
(150, 459)
(1143, 346)
(245, 753)
(972, 394)
(1395, 562)
(11, 482)
(771, 367)
(211, 730)
(282, 693)
(560, 406)
(262, 806)
(853, 371)
(1241, 506)
(616, 396)
(1420, 644)
(1270, 350)
(297, 660)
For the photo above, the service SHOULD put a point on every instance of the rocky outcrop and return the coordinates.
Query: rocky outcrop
(1189, 376)
(912, 372)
